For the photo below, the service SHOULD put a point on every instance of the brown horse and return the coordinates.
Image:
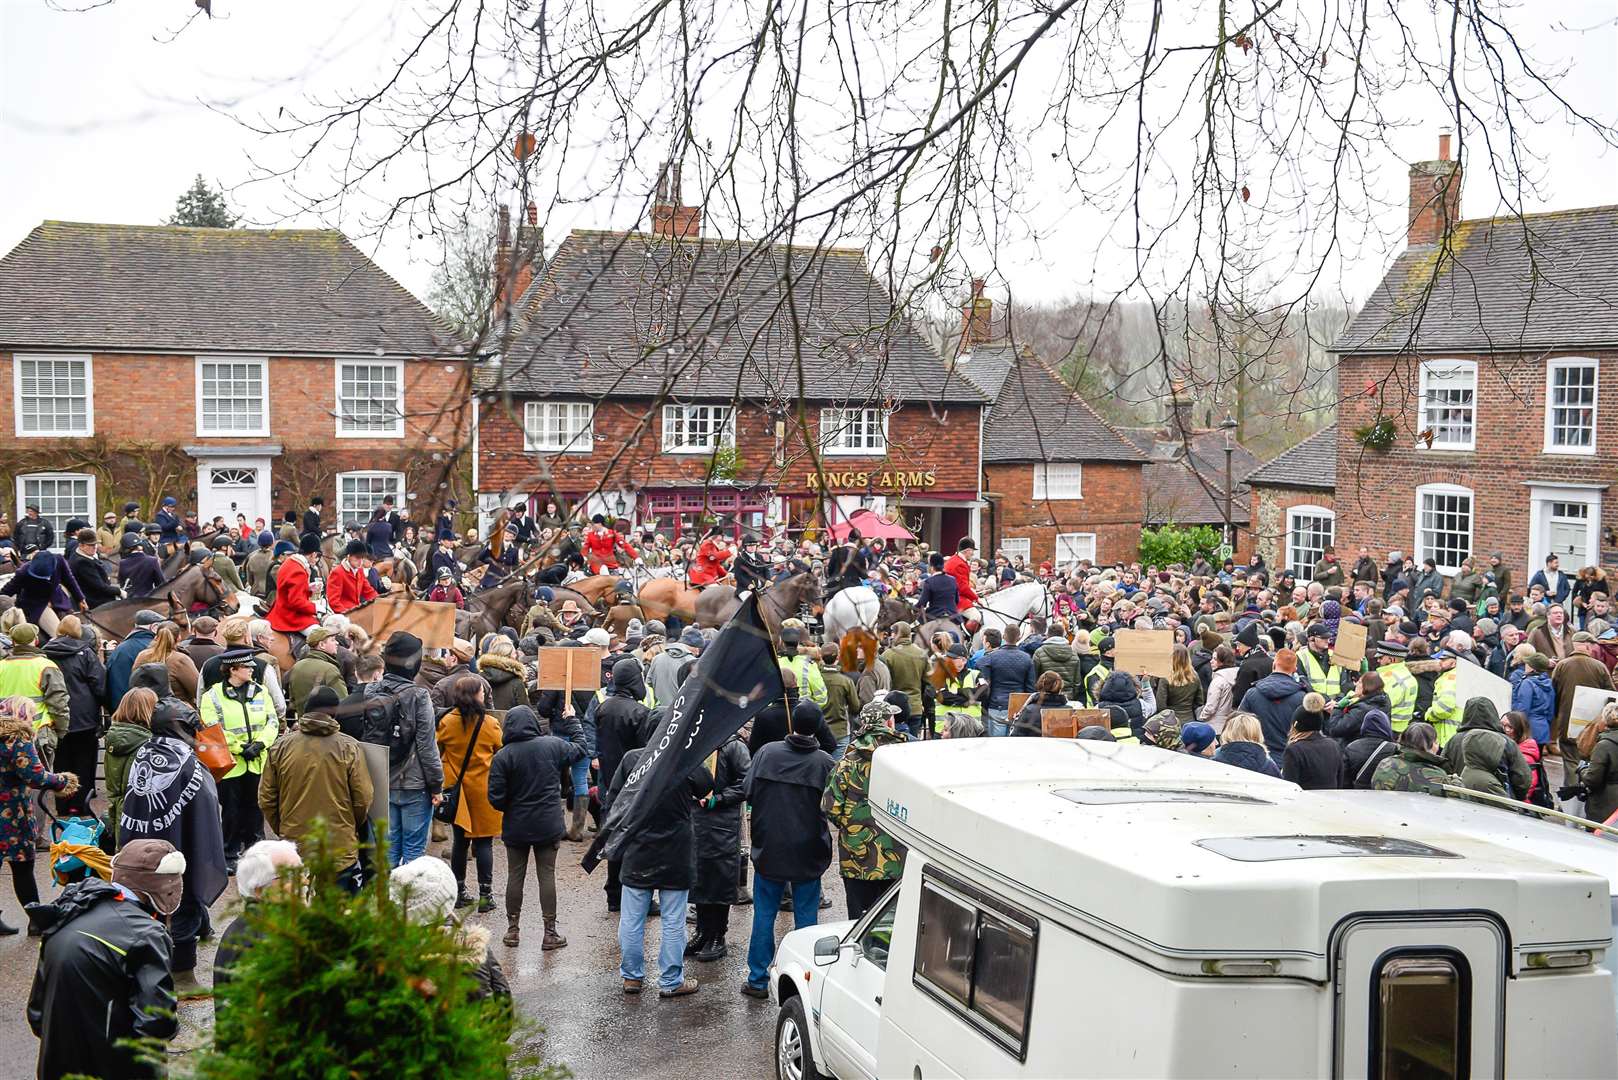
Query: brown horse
(660, 596)
(598, 591)
(487, 611)
(777, 602)
(194, 586)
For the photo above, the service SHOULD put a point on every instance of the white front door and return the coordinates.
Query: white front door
(229, 486)
(1565, 522)
(1420, 995)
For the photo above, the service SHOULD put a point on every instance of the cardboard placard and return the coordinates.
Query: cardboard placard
(1349, 649)
(1059, 723)
(562, 668)
(1472, 681)
(1588, 701)
(1093, 718)
(1144, 652)
(1014, 705)
(432, 622)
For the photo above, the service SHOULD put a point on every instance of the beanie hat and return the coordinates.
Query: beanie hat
(691, 638)
(424, 888)
(1248, 635)
(153, 868)
(1197, 737)
(322, 699)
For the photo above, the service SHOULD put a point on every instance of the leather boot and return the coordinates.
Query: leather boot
(553, 940)
(575, 828)
(485, 900)
(513, 934)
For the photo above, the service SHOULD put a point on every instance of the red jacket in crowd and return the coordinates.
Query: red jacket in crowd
(708, 566)
(293, 610)
(601, 549)
(347, 588)
(957, 568)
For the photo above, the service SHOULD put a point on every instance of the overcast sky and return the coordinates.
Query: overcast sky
(101, 120)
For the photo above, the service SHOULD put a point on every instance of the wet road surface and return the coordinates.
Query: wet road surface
(573, 993)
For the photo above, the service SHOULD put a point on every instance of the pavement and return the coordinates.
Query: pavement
(574, 994)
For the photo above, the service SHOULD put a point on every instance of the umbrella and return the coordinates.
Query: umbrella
(872, 526)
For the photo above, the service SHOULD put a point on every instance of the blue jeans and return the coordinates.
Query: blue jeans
(632, 936)
(767, 893)
(842, 748)
(994, 722)
(581, 778)
(410, 819)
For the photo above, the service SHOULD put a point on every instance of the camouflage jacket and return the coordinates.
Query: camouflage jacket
(865, 852)
(1412, 770)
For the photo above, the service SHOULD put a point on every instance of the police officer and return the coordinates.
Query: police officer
(243, 707)
(1325, 678)
(1397, 682)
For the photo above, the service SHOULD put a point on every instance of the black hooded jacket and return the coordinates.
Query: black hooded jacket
(1376, 743)
(155, 677)
(525, 780)
(1345, 725)
(658, 855)
(621, 719)
(1119, 694)
(105, 982)
(791, 841)
(86, 680)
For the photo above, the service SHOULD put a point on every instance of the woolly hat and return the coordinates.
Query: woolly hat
(153, 868)
(424, 888)
(692, 638)
(1248, 635)
(401, 645)
(1197, 737)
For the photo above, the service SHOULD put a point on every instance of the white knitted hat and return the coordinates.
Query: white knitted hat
(425, 888)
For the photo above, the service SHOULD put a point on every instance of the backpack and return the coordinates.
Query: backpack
(383, 724)
(1539, 793)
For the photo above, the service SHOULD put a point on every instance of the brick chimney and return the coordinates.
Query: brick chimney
(1183, 422)
(977, 317)
(516, 263)
(670, 216)
(1435, 197)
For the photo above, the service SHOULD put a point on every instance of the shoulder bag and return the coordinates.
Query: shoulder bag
(445, 810)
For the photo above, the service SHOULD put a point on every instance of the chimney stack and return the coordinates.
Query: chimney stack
(1435, 197)
(977, 317)
(670, 216)
(1184, 419)
(516, 263)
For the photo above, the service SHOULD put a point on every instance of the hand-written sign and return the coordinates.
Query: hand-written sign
(1349, 648)
(569, 669)
(1144, 652)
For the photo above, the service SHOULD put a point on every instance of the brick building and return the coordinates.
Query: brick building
(237, 370)
(667, 379)
(1490, 353)
(1060, 482)
(1293, 496)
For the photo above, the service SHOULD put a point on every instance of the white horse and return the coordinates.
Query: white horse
(1010, 605)
(854, 606)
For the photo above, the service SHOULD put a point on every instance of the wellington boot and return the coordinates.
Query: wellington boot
(575, 828)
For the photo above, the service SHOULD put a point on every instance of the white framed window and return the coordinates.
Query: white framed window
(53, 395)
(1015, 547)
(233, 396)
(1073, 547)
(1570, 407)
(1058, 480)
(1444, 515)
(562, 427)
(1449, 403)
(855, 432)
(1309, 530)
(697, 429)
(370, 399)
(359, 493)
(59, 496)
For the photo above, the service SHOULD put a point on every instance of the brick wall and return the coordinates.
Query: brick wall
(1112, 508)
(626, 451)
(145, 412)
(1270, 505)
(1376, 491)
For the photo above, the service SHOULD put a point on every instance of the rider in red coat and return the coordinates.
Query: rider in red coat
(293, 610)
(959, 567)
(601, 546)
(348, 585)
(710, 563)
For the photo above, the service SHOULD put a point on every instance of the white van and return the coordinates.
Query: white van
(1079, 909)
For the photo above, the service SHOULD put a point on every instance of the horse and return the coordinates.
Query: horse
(487, 611)
(663, 596)
(1010, 606)
(195, 585)
(855, 606)
(597, 589)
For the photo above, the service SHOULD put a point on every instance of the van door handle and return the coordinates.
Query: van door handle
(879, 999)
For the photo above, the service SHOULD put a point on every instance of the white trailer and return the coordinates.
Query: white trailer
(1078, 909)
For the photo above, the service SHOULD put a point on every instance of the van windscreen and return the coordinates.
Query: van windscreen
(1106, 796)
(1282, 848)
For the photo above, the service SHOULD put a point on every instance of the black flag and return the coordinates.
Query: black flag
(734, 679)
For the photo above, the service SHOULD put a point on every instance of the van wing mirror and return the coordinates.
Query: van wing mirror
(827, 949)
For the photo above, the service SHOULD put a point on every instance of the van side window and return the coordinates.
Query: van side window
(975, 955)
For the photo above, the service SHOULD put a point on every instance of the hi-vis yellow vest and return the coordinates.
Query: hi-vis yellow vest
(1324, 680)
(22, 676)
(1401, 688)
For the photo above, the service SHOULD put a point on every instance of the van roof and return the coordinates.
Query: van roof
(1157, 848)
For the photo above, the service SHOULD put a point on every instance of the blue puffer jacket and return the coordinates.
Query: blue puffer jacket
(1247, 755)
(1273, 700)
(1533, 696)
(1008, 670)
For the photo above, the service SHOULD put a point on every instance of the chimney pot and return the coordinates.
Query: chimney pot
(1435, 197)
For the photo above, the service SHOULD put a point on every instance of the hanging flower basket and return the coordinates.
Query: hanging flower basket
(1377, 436)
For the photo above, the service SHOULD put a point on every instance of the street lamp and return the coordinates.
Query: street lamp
(1228, 425)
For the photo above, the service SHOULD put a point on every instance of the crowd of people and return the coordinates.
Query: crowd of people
(476, 748)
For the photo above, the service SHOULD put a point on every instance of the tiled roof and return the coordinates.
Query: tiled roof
(159, 288)
(987, 366)
(1509, 284)
(1037, 417)
(1188, 489)
(1310, 464)
(633, 315)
